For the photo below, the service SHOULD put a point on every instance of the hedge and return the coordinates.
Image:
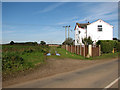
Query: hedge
(107, 45)
(118, 46)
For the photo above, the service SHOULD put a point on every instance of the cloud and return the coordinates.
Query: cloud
(50, 8)
(94, 11)
(105, 11)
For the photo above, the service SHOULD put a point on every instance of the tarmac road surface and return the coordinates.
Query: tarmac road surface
(96, 76)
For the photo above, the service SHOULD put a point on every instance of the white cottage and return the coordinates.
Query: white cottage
(98, 30)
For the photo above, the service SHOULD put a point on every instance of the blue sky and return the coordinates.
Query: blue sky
(36, 21)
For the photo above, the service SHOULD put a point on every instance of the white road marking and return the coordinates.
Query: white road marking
(112, 83)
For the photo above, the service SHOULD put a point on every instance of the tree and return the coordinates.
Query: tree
(43, 43)
(68, 41)
(87, 41)
(11, 43)
(115, 39)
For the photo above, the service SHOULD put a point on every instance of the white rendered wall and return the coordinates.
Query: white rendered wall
(79, 36)
(105, 34)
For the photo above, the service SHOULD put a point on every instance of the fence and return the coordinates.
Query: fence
(83, 50)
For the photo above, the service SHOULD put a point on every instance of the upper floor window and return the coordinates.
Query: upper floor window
(99, 27)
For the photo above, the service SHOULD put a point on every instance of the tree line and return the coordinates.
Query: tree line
(27, 43)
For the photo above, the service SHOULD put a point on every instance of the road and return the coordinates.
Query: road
(96, 76)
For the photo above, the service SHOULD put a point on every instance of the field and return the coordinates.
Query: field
(18, 58)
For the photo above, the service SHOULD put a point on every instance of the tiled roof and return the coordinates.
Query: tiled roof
(82, 24)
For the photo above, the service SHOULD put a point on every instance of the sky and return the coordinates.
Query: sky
(44, 21)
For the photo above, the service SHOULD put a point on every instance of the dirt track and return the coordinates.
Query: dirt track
(51, 68)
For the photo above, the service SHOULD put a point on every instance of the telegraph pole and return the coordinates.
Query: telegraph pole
(68, 31)
(65, 31)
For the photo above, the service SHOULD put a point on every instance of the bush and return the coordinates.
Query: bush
(87, 41)
(11, 60)
(107, 45)
(68, 41)
(19, 57)
(42, 42)
(118, 46)
(11, 43)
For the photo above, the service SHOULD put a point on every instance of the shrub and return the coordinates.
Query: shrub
(87, 41)
(118, 46)
(11, 43)
(68, 41)
(11, 60)
(42, 42)
(107, 45)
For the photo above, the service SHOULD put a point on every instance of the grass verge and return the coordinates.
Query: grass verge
(106, 56)
(65, 54)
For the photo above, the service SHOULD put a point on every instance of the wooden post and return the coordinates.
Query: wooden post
(99, 50)
(75, 49)
(67, 47)
(80, 49)
(84, 50)
(71, 48)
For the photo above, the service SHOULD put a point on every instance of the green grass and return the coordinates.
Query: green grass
(107, 56)
(63, 54)
(18, 58)
(34, 58)
(66, 54)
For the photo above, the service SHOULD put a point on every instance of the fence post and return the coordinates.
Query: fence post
(66, 47)
(84, 50)
(90, 50)
(99, 50)
(71, 48)
(80, 49)
(75, 49)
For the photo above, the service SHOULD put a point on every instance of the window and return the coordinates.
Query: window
(99, 27)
